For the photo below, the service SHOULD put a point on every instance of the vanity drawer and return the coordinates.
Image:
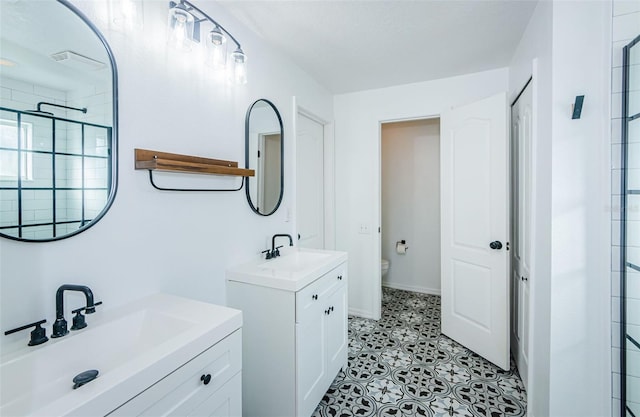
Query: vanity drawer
(183, 391)
(314, 295)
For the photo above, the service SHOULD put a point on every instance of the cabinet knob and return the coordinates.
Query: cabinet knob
(524, 279)
(331, 308)
(340, 277)
(327, 312)
(496, 245)
(206, 379)
(314, 296)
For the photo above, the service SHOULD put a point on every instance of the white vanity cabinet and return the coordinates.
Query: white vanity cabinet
(294, 343)
(208, 385)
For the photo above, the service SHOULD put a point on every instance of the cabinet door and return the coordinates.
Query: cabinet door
(226, 402)
(182, 391)
(311, 365)
(336, 332)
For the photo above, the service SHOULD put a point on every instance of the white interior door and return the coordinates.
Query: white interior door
(310, 183)
(475, 227)
(521, 139)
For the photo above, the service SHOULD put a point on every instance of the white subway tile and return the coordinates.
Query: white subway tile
(616, 156)
(615, 309)
(633, 389)
(616, 105)
(615, 284)
(615, 360)
(5, 93)
(633, 180)
(615, 335)
(633, 311)
(616, 53)
(16, 85)
(616, 181)
(615, 233)
(634, 332)
(633, 284)
(633, 233)
(49, 93)
(615, 407)
(626, 27)
(621, 7)
(26, 100)
(616, 80)
(615, 258)
(616, 131)
(615, 386)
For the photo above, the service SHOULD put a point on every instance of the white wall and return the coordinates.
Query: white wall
(357, 132)
(580, 224)
(411, 204)
(566, 47)
(625, 27)
(149, 240)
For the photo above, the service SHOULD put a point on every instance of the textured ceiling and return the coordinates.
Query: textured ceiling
(357, 45)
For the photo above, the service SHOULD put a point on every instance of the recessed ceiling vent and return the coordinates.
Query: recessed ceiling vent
(77, 61)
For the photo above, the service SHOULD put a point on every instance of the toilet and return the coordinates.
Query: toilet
(384, 266)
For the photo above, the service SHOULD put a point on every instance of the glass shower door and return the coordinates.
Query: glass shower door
(630, 300)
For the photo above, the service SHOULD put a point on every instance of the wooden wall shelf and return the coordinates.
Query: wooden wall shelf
(163, 161)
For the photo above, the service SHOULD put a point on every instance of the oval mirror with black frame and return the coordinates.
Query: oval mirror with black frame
(264, 153)
(58, 122)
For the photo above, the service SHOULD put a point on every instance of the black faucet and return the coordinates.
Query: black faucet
(275, 251)
(60, 325)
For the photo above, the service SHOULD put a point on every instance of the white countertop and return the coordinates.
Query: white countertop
(132, 346)
(292, 271)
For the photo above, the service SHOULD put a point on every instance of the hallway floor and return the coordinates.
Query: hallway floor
(402, 366)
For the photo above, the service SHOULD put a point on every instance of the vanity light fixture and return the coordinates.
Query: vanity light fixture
(184, 25)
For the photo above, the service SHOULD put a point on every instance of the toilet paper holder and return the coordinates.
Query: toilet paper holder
(401, 247)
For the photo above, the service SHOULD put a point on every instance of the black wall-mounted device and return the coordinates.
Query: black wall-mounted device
(577, 107)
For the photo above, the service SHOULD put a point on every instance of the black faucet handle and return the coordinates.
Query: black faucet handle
(89, 310)
(276, 251)
(38, 335)
(269, 254)
(78, 320)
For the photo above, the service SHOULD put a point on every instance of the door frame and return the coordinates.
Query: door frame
(377, 280)
(377, 228)
(329, 173)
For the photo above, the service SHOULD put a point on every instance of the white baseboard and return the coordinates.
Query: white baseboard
(413, 288)
(361, 313)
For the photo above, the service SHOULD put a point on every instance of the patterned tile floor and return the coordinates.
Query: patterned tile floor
(402, 366)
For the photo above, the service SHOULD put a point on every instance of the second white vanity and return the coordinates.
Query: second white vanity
(294, 329)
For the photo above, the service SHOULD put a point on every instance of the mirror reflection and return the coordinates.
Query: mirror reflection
(57, 139)
(264, 154)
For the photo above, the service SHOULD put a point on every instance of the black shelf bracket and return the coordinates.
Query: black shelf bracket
(193, 189)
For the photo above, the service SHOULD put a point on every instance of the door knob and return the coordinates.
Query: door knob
(495, 245)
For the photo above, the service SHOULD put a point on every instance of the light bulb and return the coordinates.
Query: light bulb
(181, 27)
(238, 72)
(217, 49)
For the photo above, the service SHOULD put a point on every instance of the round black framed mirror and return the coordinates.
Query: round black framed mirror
(264, 153)
(58, 124)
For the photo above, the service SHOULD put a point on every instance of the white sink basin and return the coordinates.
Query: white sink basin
(132, 347)
(292, 271)
(295, 261)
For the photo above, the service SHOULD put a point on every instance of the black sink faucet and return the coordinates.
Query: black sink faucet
(274, 251)
(60, 325)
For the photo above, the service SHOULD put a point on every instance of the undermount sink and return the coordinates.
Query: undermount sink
(291, 271)
(131, 347)
(295, 261)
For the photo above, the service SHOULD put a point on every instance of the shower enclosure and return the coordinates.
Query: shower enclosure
(54, 173)
(630, 234)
